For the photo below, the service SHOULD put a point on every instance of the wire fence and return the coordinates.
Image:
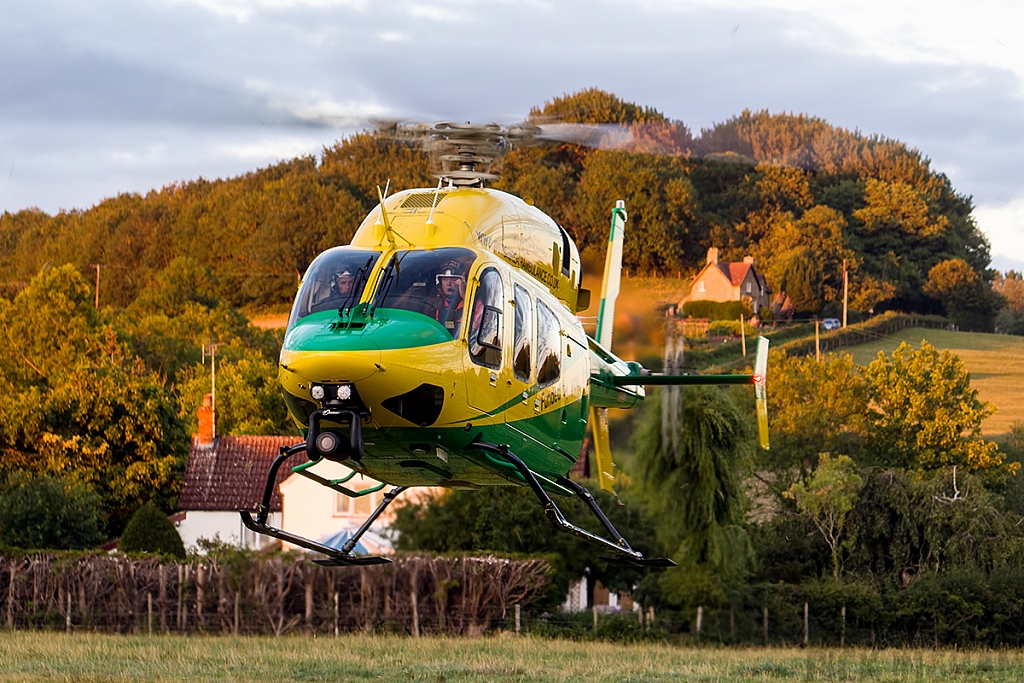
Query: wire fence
(275, 595)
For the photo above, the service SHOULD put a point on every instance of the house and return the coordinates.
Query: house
(721, 281)
(225, 474)
(228, 473)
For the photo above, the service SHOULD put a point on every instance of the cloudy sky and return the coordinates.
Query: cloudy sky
(111, 96)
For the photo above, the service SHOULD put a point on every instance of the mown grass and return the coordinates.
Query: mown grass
(995, 361)
(27, 656)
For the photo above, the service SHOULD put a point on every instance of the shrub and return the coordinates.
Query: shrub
(47, 513)
(149, 531)
(717, 310)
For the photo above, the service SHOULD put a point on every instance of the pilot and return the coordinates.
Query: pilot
(449, 296)
(342, 284)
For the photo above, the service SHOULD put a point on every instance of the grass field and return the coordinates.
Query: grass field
(995, 361)
(28, 656)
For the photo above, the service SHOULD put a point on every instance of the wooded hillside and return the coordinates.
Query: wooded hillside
(797, 193)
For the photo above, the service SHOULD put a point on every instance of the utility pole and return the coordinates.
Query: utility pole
(845, 287)
(97, 301)
(817, 341)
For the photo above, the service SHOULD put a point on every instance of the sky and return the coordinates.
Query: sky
(115, 96)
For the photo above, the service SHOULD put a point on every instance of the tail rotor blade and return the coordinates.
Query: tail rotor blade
(602, 449)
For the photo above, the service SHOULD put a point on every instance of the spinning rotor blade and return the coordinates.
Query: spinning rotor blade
(761, 392)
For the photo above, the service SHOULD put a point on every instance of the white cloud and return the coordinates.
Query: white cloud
(271, 149)
(324, 112)
(243, 10)
(391, 36)
(1003, 223)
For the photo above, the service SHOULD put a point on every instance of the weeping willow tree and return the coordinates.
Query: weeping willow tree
(690, 479)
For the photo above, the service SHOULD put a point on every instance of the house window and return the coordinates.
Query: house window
(748, 288)
(700, 286)
(355, 507)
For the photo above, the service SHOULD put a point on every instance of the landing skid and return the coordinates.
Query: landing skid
(626, 554)
(336, 557)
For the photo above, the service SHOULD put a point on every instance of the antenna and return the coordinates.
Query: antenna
(431, 228)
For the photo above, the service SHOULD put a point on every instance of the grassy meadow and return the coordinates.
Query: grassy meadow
(31, 656)
(995, 361)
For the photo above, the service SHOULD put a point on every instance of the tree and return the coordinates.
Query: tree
(48, 513)
(693, 490)
(80, 404)
(150, 531)
(1010, 320)
(925, 415)
(826, 498)
(510, 520)
(969, 302)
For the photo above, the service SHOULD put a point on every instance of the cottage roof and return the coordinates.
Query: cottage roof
(230, 473)
(736, 272)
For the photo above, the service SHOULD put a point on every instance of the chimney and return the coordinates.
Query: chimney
(207, 421)
(748, 259)
(713, 255)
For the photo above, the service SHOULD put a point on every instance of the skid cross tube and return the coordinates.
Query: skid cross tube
(335, 557)
(558, 520)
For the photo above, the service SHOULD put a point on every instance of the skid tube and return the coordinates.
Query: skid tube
(625, 554)
(342, 557)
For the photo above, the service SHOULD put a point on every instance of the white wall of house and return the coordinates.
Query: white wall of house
(225, 524)
(314, 511)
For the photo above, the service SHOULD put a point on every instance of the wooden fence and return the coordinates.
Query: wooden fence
(254, 594)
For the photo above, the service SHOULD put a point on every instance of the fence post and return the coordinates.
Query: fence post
(594, 610)
(842, 632)
(415, 614)
(335, 614)
(764, 623)
(519, 618)
(238, 594)
(650, 617)
(806, 625)
(700, 620)
(67, 616)
(149, 613)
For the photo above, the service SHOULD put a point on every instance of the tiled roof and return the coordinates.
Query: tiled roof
(735, 272)
(231, 474)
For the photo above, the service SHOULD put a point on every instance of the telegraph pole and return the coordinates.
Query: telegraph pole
(845, 283)
(97, 301)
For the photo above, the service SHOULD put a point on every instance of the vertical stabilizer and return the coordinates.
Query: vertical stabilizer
(612, 276)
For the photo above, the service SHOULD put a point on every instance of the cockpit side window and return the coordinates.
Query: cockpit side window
(485, 325)
(428, 282)
(335, 280)
(548, 345)
(522, 334)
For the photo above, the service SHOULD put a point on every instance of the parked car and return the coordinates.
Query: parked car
(831, 324)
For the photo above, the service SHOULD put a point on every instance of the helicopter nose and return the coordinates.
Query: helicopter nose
(333, 366)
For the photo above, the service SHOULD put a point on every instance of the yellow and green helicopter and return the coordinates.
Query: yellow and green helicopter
(442, 348)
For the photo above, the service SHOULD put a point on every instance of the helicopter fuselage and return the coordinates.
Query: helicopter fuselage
(382, 331)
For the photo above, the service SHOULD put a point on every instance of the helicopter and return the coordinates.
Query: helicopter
(442, 347)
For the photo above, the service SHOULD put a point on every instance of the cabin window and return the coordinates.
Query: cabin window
(431, 283)
(548, 345)
(335, 280)
(485, 325)
(522, 348)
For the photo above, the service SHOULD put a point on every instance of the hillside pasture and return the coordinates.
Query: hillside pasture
(995, 361)
(32, 656)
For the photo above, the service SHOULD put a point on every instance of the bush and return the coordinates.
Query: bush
(149, 531)
(46, 513)
(729, 328)
(717, 310)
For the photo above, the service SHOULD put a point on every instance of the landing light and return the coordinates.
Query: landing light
(344, 392)
(317, 392)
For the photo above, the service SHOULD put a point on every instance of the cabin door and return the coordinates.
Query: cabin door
(486, 384)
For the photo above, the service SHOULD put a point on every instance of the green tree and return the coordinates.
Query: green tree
(925, 415)
(969, 302)
(79, 404)
(693, 490)
(826, 498)
(48, 513)
(150, 531)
